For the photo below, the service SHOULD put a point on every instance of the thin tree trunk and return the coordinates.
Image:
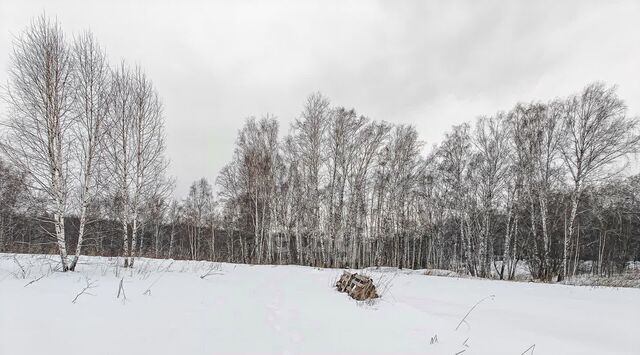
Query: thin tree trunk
(157, 240)
(575, 197)
(83, 217)
(171, 238)
(546, 240)
(134, 228)
(60, 240)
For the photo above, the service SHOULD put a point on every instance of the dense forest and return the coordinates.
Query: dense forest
(549, 185)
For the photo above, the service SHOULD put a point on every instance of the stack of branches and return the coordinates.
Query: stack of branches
(359, 287)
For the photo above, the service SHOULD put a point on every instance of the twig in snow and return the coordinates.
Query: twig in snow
(169, 266)
(385, 282)
(210, 271)
(121, 290)
(23, 273)
(143, 270)
(90, 285)
(52, 270)
(117, 270)
(461, 351)
(532, 348)
(35, 280)
(147, 292)
(472, 308)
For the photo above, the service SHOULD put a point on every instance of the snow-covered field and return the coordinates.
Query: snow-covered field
(171, 307)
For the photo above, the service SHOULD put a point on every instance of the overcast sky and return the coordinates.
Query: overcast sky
(431, 64)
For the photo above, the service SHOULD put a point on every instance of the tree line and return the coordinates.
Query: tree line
(545, 185)
(537, 183)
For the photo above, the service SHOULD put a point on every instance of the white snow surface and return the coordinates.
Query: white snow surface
(245, 309)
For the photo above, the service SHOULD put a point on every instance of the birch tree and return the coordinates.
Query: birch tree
(120, 152)
(491, 140)
(309, 133)
(198, 209)
(39, 97)
(147, 146)
(599, 132)
(454, 155)
(91, 107)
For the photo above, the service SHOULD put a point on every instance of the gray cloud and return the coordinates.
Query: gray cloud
(431, 64)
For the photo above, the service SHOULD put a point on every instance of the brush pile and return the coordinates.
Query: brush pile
(359, 287)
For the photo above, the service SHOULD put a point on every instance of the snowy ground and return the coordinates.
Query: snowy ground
(243, 309)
